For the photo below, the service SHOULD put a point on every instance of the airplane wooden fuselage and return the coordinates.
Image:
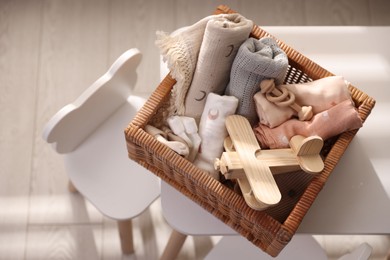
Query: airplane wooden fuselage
(253, 168)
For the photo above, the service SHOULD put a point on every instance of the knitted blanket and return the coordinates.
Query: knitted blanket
(220, 44)
(181, 50)
(256, 60)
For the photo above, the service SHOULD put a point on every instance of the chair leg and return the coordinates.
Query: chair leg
(125, 228)
(71, 187)
(175, 243)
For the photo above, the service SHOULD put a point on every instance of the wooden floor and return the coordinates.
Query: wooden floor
(50, 51)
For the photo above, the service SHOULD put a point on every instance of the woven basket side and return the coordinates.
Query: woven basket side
(158, 98)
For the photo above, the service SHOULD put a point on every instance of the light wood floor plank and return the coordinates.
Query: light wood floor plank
(337, 12)
(379, 12)
(149, 233)
(190, 11)
(19, 41)
(270, 12)
(133, 24)
(64, 242)
(73, 54)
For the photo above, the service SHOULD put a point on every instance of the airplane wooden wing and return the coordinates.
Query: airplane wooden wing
(258, 174)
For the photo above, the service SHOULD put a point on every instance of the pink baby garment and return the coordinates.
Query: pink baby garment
(320, 94)
(336, 120)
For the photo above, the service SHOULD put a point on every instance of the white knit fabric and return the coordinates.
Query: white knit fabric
(212, 130)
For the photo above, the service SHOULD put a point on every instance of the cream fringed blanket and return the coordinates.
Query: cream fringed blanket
(223, 35)
(219, 47)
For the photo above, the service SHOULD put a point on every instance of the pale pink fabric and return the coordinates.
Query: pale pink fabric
(321, 94)
(329, 123)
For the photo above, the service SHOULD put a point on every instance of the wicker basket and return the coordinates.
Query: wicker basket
(271, 229)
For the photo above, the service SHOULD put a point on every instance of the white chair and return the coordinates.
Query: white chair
(90, 134)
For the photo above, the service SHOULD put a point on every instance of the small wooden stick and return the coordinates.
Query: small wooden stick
(282, 97)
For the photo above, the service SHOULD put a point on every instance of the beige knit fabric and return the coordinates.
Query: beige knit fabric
(181, 49)
(220, 44)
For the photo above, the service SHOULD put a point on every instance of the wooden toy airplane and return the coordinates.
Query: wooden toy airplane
(254, 168)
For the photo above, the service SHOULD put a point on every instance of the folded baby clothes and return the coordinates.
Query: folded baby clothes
(212, 130)
(181, 49)
(256, 60)
(221, 40)
(178, 146)
(320, 94)
(336, 120)
(186, 128)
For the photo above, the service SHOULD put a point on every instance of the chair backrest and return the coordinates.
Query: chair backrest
(73, 123)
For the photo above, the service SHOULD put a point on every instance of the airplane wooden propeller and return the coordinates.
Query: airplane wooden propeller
(253, 168)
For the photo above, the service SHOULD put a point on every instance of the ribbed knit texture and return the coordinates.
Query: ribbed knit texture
(256, 60)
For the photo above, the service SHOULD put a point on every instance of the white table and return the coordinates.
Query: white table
(355, 199)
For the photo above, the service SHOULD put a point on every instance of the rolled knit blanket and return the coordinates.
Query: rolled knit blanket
(182, 47)
(221, 40)
(336, 120)
(256, 60)
(320, 94)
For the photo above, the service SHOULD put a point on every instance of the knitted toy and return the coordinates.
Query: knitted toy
(256, 60)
